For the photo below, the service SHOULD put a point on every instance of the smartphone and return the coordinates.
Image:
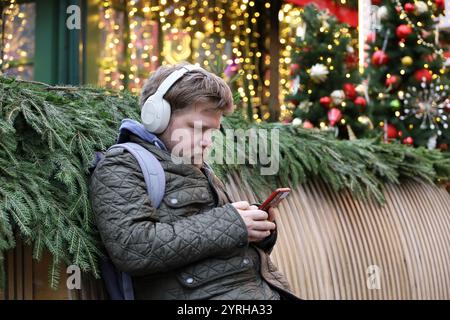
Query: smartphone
(274, 199)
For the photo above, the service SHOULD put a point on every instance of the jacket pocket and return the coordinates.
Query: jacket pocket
(187, 196)
(210, 270)
(188, 201)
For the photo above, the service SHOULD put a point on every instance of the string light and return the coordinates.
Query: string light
(290, 27)
(17, 50)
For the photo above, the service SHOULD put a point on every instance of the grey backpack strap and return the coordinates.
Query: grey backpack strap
(120, 284)
(152, 170)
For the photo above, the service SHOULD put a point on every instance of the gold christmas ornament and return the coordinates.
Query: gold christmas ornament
(407, 61)
(365, 120)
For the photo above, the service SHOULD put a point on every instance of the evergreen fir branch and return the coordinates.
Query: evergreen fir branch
(38, 245)
(54, 273)
(6, 231)
(19, 211)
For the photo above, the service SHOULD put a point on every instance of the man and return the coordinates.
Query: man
(197, 244)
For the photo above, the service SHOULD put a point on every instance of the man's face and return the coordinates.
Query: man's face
(189, 133)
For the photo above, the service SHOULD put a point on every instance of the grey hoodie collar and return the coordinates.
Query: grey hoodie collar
(131, 126)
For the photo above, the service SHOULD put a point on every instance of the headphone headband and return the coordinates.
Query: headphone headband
(172, 78)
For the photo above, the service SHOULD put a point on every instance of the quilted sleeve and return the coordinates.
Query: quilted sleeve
(134, 239)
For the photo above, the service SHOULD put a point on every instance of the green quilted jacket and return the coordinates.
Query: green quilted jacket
(193, 246)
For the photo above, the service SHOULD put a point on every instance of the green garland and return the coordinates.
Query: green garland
(362, 166)
(49, 135)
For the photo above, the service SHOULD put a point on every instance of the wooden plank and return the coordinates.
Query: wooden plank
(28, 273)
(10, 284)
(327, 240)
(18, 271)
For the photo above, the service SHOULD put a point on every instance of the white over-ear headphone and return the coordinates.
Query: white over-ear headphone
(155, 114)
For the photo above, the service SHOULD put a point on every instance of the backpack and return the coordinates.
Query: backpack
(119, 285)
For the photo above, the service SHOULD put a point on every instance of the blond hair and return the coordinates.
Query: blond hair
(193, 87)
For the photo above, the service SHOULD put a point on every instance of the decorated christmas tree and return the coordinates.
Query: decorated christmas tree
(325, 77)
(407, 84)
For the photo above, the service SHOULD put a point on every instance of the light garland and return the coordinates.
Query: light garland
(10, 12)
(127, 67)
(109, 74)
(227, 31)
(17, 47)
(290, 27)
(133, 68)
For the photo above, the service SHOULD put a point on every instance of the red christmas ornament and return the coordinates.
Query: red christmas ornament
(370, 37)
(392, 80)
(350, 91)
(409, 7)
(440, 4)
(351, 60)
(398, 9)
(307, 125)
(443, 146)
(392, 132)
(423, 74)
(325, 101)
(334, 115)
(379, 58)
(360, 101)
(403, 31)
(294, 68)
(294, 101)
(400, 134)
(408, 140)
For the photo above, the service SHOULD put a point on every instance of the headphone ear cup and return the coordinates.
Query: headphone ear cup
(155, 114)
(165, 113)
(150, 114)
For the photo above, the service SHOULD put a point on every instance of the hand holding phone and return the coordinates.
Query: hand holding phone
(274, 199)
